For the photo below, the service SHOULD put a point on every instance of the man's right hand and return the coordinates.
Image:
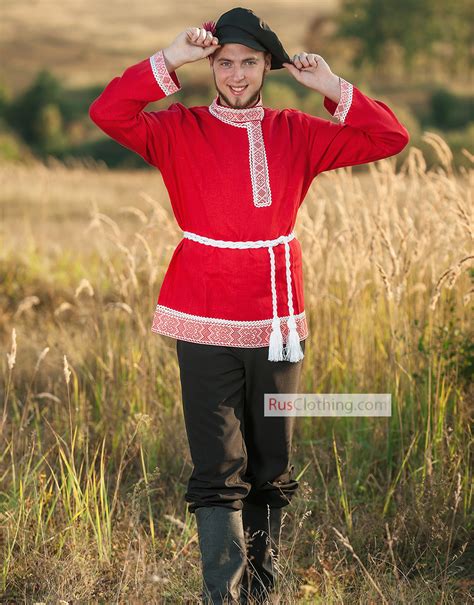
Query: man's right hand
(190, 45)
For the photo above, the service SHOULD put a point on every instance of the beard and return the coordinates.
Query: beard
(253, 99)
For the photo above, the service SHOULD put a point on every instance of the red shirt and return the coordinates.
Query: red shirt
(223, 296)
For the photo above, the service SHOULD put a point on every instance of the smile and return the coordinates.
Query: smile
(238, 90)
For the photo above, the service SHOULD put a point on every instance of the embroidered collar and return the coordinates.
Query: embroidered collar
(250, 118)
(229, 114)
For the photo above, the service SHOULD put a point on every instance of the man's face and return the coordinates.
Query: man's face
(235, 66)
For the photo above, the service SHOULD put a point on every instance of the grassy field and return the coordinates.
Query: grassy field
(94, 460)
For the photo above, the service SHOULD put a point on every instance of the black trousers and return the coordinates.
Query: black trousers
(237, 452)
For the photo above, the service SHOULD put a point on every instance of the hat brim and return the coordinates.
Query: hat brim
(275, 64)
(245, 41)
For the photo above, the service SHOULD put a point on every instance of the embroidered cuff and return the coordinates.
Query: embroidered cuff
(169, 83)
(345, 100)
(340, 110)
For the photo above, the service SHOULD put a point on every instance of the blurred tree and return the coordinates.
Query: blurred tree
(48, 128)
(434, 28)
(27, 111)
(450, 111)
(5, 96)
(11, 148)
(280, 96)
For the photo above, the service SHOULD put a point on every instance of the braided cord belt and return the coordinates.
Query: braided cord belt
(276, 352)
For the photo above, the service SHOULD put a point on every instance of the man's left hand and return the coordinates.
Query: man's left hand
(312, 71)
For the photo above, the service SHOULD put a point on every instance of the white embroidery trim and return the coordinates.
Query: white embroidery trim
(234, 323)
(216, 331)
(162, 75)
(345, 101)
(259, 175)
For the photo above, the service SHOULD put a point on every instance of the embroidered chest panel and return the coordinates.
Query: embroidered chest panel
(250, 119)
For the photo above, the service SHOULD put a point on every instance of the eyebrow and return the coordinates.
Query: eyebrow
(246, 59)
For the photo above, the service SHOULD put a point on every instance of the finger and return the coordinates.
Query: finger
(209, 38)
(196, 35)
(300, 61)
(291, 68)
(297, 62)
(304, 59)
(200, 38)
(211, 50)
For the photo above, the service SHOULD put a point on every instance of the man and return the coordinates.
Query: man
(237, 172)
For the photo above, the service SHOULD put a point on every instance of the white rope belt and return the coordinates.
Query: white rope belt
(276, 351)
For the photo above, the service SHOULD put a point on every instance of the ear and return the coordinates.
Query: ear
(268, 61)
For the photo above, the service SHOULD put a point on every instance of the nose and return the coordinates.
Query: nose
(239, 74)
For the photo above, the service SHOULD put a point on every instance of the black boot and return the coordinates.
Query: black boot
(222, 545)
(262, 527)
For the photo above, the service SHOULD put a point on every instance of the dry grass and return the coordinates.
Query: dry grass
(94, 460)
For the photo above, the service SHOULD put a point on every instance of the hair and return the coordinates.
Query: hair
(266, 54)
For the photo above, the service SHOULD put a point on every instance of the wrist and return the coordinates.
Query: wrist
(171, 61)
(332, 89)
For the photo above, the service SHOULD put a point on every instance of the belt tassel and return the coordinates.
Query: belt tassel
(275, 349)
(294, 352)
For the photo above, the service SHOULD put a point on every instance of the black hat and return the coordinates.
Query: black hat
(242, 26)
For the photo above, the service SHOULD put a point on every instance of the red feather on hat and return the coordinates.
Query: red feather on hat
(209, 26)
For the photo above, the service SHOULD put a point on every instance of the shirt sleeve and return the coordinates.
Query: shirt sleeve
(118, 110)
(367, 130)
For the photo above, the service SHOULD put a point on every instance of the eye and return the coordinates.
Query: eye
(250, 61)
